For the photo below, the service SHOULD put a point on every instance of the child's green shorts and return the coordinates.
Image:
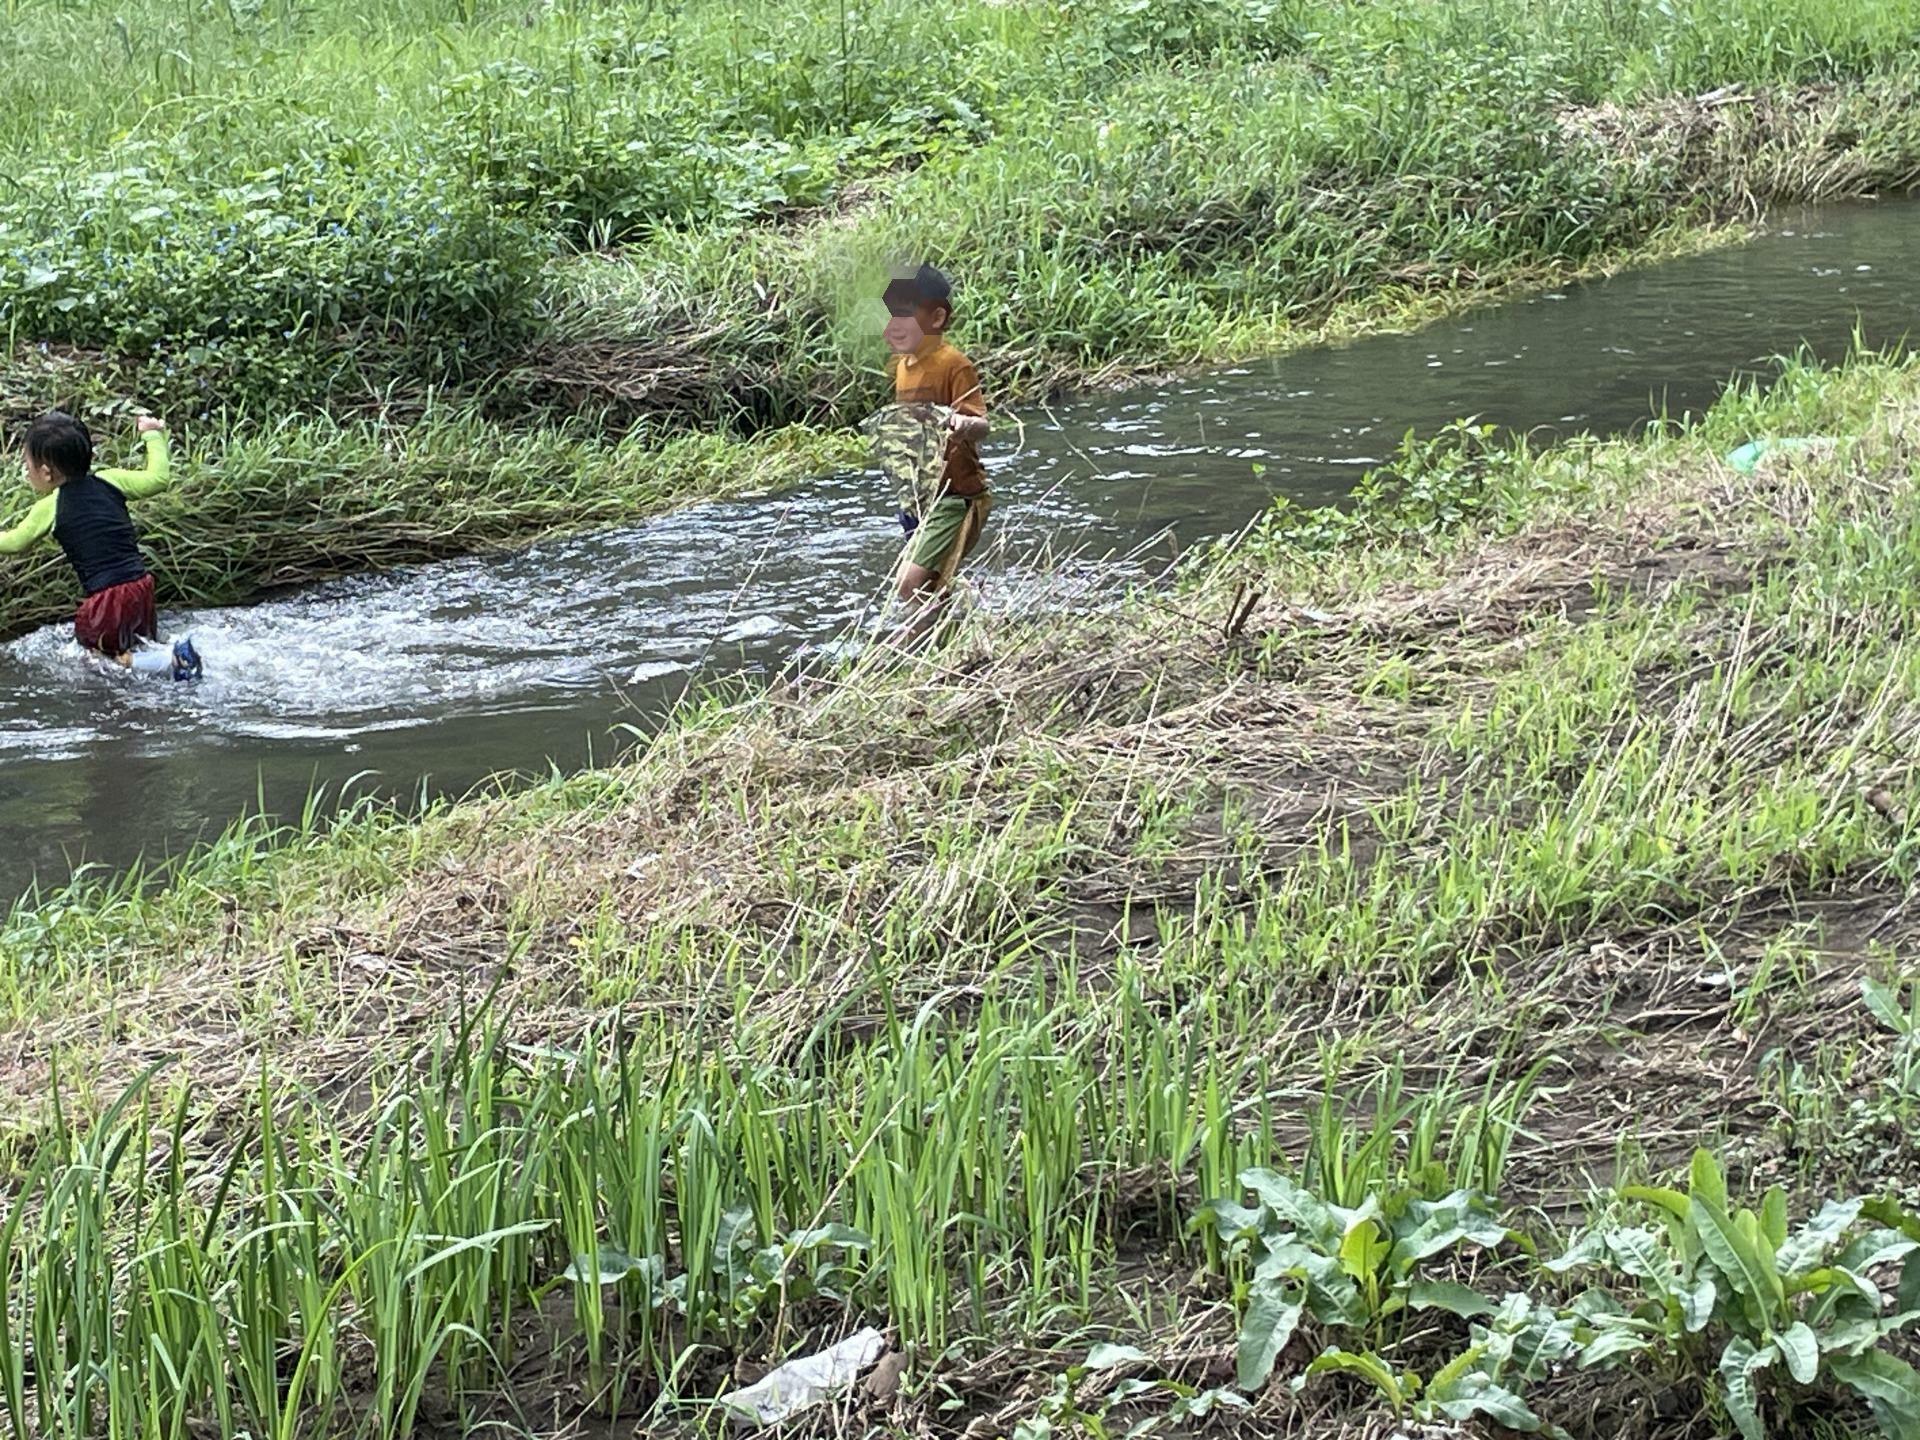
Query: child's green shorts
(948, 532)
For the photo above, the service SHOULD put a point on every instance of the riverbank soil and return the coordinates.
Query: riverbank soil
(1544, 815)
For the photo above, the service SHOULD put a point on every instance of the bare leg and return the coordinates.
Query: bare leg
(917, 581)
(921, 589)
(928, 591)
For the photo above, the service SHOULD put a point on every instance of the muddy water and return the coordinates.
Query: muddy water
(439, 676)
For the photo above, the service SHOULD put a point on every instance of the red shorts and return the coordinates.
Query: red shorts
(113, 620)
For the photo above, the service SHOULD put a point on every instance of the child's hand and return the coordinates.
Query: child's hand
(147, 424)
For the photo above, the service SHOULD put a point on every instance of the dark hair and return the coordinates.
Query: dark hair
(58, 440)
(910, 289)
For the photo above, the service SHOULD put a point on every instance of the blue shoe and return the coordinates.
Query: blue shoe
(186, 660)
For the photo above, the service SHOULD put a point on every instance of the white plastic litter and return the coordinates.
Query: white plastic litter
(807, 1381)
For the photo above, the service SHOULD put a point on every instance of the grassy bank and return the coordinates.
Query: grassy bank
(254, 208)
(675, 216)
(1520, 832)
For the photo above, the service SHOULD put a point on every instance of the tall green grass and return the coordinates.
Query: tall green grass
(946, 1176)
(305, 204)
(675, 1195)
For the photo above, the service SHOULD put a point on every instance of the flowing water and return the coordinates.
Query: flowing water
(439, 676)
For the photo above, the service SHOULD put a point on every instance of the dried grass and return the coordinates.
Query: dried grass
(1189, 694)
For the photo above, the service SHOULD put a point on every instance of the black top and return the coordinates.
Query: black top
(91, 523)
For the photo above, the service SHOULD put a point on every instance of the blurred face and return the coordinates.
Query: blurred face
(40, 477)
(905, 333)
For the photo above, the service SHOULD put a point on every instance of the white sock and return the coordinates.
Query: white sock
(153, 662)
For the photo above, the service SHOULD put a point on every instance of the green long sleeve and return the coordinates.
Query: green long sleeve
(36, 524)
(138, 484)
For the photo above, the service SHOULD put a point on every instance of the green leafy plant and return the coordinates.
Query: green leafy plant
(1065, 1410)
(1430, 487)
(1884, 1002)
(1350, 1268)
(1803, 1304)
(1517, 1343)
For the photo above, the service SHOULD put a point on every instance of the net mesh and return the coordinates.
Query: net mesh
(910, 447)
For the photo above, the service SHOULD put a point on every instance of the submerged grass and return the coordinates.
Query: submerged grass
(1519, 830)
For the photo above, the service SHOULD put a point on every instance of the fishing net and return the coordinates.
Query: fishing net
(910, 449)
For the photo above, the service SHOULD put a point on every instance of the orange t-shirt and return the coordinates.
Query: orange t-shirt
(938, 374)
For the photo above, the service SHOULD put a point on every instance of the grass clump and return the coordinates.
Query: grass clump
(240, 278)
(1493, 867)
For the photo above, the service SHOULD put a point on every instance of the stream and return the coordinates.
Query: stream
(434, 677)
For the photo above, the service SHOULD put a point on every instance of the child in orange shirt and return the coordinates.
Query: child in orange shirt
(927, 369)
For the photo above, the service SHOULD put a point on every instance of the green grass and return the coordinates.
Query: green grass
(1548, 856)
(1115, 184)
(676, 216)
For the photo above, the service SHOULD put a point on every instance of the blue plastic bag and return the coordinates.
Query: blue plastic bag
(1748, 457)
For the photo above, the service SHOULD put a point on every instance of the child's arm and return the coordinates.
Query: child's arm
(37, 524)
(138, 484)
(969, 417)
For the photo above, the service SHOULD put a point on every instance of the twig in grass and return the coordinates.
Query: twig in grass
(1245, 600)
